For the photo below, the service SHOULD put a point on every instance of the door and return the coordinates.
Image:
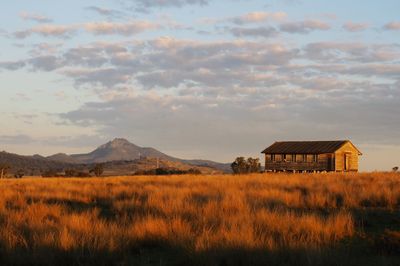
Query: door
(346, 162)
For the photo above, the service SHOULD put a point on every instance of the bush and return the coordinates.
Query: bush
(243, 166)
(19, 174)
(50, 173)
(70, 172)
(98, 169)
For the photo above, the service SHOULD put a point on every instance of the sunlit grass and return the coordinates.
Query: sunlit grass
(117, 220)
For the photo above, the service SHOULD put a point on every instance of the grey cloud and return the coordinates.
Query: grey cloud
(109, 13)
(265, 32)
(107, 77)
(74, 141)
(351, 51)
(304, 27)
(201, 122)
(45, 63)
(14, 65)
(169, 63)
(16, 139)
(62, 141)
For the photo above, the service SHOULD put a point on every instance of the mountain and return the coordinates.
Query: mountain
(121, 149)
(119, 155)
(62, 157)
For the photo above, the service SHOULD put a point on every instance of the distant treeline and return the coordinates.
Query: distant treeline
(169, 171)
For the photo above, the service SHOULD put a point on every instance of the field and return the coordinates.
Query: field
(262, 219)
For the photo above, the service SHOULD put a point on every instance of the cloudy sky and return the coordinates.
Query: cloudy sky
(209, 79)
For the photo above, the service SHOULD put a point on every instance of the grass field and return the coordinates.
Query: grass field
(265, 219)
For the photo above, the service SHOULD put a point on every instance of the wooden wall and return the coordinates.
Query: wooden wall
(352, 152)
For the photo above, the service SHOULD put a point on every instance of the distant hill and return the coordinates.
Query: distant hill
(32, 165)
(119, 155)
(122, 150)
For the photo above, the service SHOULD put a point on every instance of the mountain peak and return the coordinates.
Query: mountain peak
(118, 143)
(120, 140)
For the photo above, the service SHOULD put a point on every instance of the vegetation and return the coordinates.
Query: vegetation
(4, 167)
(268, 219)
(98, 169)
(19, 174)
(169, 171)
(243, 166)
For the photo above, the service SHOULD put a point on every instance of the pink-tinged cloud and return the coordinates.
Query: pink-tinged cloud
(395, 25)
(130, 28)
(353, 27)
(255, 17)
(47, 30)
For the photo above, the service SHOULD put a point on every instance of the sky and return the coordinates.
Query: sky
(200, 78)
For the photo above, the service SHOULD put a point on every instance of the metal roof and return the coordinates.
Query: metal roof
(306, 147)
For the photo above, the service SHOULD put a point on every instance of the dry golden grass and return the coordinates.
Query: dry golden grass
(273, 219)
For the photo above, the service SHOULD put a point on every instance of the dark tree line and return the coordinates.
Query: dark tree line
(243, 166)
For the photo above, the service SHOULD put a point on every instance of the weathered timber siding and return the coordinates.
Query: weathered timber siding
(349, 149)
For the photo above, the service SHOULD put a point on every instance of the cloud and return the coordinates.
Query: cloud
(35, 17)
(109, 13)
(59, 141)
(265, 32)
(304, 27)
(16, 139)
(340, 52)
(394, 25)
(96, 28)
(106, 77)
(145, 5)
(259, 16)
(44, 63)
(129, 28)
(12, 65)
(47, 30)
(198, 122)
(353, 27)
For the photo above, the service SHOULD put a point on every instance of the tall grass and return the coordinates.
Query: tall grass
(208, 220)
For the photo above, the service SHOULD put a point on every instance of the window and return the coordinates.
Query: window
(286, 158)
(315, 159)
(304, 157)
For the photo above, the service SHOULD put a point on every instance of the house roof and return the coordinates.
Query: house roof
(306, 147)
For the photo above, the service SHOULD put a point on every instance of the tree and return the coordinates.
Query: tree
(70, 172)
(19, 174)
(3, 169)
(253, 165)
(239, 166)
(243, 166)
(98, 169)
(395, 169)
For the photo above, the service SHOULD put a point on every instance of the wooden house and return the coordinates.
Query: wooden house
(312, 156)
